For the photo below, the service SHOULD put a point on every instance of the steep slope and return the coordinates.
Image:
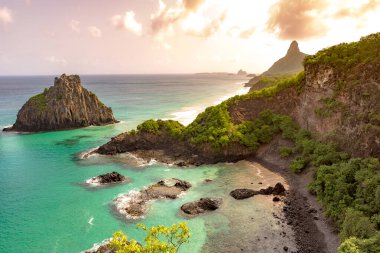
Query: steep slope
(62, 106)
(290, 64)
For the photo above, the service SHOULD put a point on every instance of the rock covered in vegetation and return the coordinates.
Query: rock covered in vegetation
(65, 105)
(135, 204)
(278, 189)
(201, 206)
(108, 178)
(290, 64)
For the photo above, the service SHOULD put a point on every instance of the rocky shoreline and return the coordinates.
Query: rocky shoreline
(313, 232)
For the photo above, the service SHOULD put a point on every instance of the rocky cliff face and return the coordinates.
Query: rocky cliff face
(62, 106)
(337, 105)
(337, 99)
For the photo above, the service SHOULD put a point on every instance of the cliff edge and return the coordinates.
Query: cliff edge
(65, 105)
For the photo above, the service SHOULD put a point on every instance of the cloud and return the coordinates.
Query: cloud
(192, 5)
(6, 15)
(246, 34)
(74, 25)
(128, 22)
(207, 29)
(54, 60)
(166, 17)
(297, 19)
(371, 5)
(95, 32)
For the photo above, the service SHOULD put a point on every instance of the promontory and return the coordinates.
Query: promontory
(66, 105)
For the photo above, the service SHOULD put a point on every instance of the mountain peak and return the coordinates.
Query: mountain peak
(293, 48)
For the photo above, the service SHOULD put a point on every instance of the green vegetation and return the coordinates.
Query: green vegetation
(347, 55)
(213, 126)
(40, 101)
(280, 84)
(330, 106)
(156, 126)
(355, 245)
(159, 239)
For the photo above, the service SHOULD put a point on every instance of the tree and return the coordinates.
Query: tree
(159, 239)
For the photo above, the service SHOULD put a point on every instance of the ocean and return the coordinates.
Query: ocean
(46, 207)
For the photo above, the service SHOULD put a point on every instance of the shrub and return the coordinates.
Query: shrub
(286, 152)
(159, 239)
(356, 224)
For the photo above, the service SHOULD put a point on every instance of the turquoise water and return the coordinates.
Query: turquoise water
(44, 205)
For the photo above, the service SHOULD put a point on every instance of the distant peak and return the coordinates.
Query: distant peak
(293, 48)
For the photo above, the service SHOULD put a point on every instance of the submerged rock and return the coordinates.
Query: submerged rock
(201, 206)
(107, 178)
(65, 105)
(135, 204)
(242, 193)
(278, 189)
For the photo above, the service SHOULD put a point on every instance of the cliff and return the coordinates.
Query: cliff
(65, 105)
(337, 102)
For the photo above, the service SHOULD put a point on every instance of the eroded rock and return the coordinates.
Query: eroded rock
(201, 206)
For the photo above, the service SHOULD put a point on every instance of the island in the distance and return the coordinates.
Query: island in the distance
(65, 105)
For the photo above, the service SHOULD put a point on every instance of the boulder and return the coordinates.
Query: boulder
(201, 206)
(242, 193)
(278, 189)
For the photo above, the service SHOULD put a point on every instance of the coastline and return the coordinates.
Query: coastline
(187, 114)
(313, 232)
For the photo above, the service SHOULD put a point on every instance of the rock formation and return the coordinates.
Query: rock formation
(278, 189)
(65, 105)
(107, 178)
(135, 204)
(290, 64)
(201, 206)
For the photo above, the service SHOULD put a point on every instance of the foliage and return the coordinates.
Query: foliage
(40, 101)
(286, 152)
(159, 239)
(156, 126)
(280, 84)
(212, 126)
(330, 106)
(351, 190)
(348, 54)
(356, 245)
(356, 224)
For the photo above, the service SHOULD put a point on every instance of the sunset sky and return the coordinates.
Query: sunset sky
(171, 36)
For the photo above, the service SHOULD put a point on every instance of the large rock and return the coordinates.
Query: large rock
(201, 206)
(290, 64)
(135, 204)
(62, 106)
(278, 189)
(107, 178)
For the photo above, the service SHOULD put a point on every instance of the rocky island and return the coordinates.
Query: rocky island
(65, 105)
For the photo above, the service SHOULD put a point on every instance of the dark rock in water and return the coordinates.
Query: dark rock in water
(112, 177)
(278, 189)
(65, 105)
(134, 205)
(201, 206)
(207, 180)
(108, 178)
(182, 184)
(242, 193)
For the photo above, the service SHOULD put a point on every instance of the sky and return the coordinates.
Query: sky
(46, 37)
